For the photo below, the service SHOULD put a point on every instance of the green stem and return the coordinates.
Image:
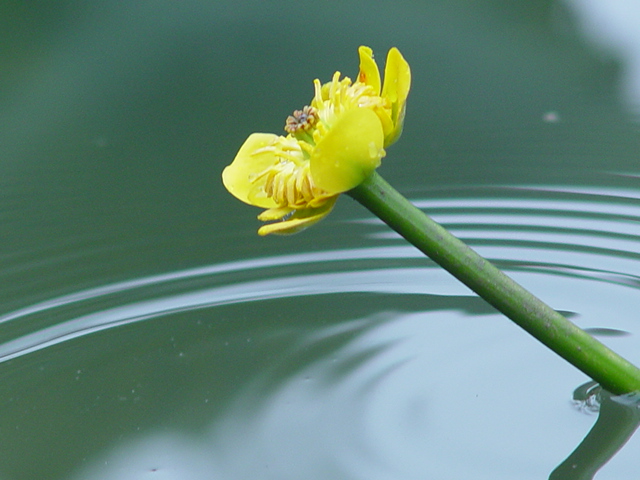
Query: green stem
(606, 367)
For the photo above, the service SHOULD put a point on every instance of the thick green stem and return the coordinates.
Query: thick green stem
(606, 367)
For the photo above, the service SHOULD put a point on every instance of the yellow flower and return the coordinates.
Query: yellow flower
(331, 147)
(397, 82)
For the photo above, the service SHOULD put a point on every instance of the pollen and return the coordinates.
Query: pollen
(302, 120)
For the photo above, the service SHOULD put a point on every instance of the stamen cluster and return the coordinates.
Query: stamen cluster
(303, 120)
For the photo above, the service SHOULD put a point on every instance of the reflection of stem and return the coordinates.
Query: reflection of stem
(576, 346)
(615, 425)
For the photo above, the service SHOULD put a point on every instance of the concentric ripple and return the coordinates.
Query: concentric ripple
(425, 382)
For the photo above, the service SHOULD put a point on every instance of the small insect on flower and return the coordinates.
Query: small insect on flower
(331, 146)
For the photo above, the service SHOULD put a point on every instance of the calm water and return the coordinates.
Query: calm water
(147, 332)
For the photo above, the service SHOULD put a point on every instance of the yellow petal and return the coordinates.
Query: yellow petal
(388, 127)
(369, 73)
(397, 82)
(247, 164)
(299, 220)
(274, 214)
(349, 152)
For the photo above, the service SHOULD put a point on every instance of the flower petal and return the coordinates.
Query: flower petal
(299, 220)
(237, 177)
(369, 73)
(349, 152)
(275, 213)
(397, 82)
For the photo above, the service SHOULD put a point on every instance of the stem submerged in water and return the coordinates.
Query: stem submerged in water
(603, 365)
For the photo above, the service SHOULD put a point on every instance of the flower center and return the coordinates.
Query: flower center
(288, 181)
(290, 185)
(301, 120)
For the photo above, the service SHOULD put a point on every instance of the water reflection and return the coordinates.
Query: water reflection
(618, 419)
(585, 234)
(407, 280)
(355, 363)
(612, 26)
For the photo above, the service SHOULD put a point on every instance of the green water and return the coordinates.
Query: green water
(146, 331)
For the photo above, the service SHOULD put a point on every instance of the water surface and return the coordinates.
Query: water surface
(146, 331)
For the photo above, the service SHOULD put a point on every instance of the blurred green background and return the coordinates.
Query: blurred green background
(116, 118)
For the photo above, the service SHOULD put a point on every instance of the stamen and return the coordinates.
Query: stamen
(317, 88)
(288, 180)
(302, 120)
